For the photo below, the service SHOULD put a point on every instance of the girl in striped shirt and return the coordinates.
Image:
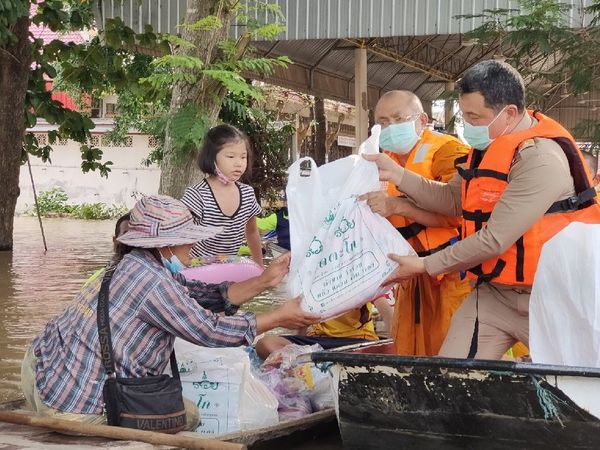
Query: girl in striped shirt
(221, 199)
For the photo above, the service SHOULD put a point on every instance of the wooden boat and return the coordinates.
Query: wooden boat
(285, 434)
(390, 401)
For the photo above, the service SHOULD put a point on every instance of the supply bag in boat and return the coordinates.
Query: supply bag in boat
(339, 246)
(219, 381)
(564, 308)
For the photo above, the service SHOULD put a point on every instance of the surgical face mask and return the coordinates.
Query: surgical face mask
(174, 265)
(399, 137)
(478, 136)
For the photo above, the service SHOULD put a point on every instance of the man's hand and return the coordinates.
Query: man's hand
(278, 269)
(410, 266)
(388, 169)
(380, 203)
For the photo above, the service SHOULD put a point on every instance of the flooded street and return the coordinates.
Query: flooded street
(35, 286)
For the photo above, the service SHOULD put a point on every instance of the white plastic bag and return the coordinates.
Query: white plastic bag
(219, 382)
(564, 309)
(339, 246)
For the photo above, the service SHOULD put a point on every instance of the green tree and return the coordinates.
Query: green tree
(26, 62)
(554, 58)
(188, 82)
(202, 74)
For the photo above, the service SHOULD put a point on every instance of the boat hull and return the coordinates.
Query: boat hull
(387, 401)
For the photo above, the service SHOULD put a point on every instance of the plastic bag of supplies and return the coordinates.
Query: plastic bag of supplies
(339, 246)
(219, 381)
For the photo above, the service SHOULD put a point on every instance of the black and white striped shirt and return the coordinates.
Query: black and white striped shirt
(201, 200)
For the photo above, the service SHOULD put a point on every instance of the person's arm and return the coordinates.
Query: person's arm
(434, 196)
(289, 315)
(227, 296)
(405, 207)
(386, 311)
(169, 308)
(253, 240)
(210, 296)
(536, 180)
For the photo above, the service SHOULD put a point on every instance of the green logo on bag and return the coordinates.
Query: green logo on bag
(205, 383)
(347, 247)
(344, 227)
(330, 217)
(315, 247)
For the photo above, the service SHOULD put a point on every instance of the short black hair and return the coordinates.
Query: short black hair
(120, 220)
(498, 82)
(120, 249)
(216, 138)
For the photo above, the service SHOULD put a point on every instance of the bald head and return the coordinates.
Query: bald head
(400, 106)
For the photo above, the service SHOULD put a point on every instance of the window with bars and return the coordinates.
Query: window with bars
(153, 141)
(110, 110)
(96, 110)
(42, 138)
(95, 140)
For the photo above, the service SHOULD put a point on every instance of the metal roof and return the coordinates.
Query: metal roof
(416, 45)
(333, 19)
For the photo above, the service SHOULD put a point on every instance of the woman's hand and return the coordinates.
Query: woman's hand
(289, 315)
(293, 317)
(410, 266)
(241, 292)
(278, 269)
(389, 170)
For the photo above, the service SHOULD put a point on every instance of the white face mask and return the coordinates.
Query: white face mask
(478, 136)
(399, 138)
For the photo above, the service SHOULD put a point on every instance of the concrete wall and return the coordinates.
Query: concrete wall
(127, 180)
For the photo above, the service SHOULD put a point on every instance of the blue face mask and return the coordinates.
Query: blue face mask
(174, 265)
(399, 138)
(478, 136)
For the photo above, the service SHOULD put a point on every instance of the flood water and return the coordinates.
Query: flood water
(35, 286)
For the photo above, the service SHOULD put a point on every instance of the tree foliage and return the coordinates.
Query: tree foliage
(113, 64)
(555, 55)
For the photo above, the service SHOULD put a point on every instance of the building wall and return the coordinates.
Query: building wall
(128, 178)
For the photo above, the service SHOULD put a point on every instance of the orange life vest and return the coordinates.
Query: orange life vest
(420, 160)
(484, 180)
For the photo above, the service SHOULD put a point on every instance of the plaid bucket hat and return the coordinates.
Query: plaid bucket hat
(161, 221)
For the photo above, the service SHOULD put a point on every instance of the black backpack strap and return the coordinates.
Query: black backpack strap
(411, 230)
(103, 321)
(574, 202)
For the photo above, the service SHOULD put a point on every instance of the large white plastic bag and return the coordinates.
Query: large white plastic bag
(339, 246)
(564, 309)
(219, 382)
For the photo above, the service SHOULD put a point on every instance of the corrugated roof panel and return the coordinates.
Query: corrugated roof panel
(331, 19)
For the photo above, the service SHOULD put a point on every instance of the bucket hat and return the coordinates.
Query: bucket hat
(162, 221)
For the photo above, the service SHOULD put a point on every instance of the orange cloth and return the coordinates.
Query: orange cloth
(423, 333)
(438, 300)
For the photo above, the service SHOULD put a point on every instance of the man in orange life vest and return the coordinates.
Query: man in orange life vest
(524, 180)
(425, 304)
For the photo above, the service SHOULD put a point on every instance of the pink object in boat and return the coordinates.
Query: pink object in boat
(225, 271)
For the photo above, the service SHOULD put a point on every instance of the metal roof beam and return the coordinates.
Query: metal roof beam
(384, 53)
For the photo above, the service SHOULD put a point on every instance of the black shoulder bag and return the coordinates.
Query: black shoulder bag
(148, 403)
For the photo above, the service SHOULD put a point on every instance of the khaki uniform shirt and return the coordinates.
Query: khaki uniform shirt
(539, 177)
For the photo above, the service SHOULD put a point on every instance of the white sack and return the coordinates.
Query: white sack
(219, 382)
(564, 310)
(339, 246)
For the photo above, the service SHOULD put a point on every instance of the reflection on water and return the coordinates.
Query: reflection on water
(35, 286)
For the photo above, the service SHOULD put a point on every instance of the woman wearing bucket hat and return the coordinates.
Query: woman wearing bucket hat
(150, 304)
